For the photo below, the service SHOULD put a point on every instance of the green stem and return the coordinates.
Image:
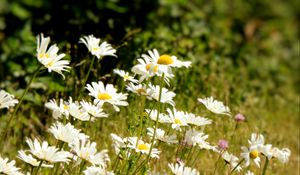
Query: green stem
(31, 170)
(157, 117)
(116, 163)
(216, 163)
(189, 155)
(156, 125)
(237, 166)
(196, 158)
(265, 167)
(88, 73)
(20, 102)
(37, 170)
(81, 167)
(139, 167)
(141, 119)
(60, 146)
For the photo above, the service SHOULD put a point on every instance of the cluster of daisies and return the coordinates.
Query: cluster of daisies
(162, 123)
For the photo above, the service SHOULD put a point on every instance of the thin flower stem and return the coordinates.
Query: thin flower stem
(88, 73)
(123, 86)
(129, 166)
(37, 170)
(196, 158)
(140, 166)
(216, 163)
(156, 124)
(189, 155)
(265, 166)
(20, 102)
(31, 169)
(116, 163)
(60, 145)
(81, 167)
(141, 119)
(225, 164)
(237, 166)
(157, 117)
(183, 151)
(137, 160)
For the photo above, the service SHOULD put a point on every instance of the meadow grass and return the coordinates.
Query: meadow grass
(272, 116)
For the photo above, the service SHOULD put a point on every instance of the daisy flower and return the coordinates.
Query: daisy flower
(256, 139)
(47, 153)
(118, 142)
(125, 75)
(138, 89)
(161, 135)
(166, 60)
(7, 100)
(266, 150)
(162, 118)
(192, 119)
(87, 150)
(282, 155)
(31, 160)
(92, 43)
(59, 109)
(8, 168)
(177, 118)
(215, 106)
(107, 94)
(77, 112)
(180, 169)
(251, 153)
(93, 110)
(166, 95)
(146, 69)
(66, 133)
(194, 137)
(49, 58)
(142, 147)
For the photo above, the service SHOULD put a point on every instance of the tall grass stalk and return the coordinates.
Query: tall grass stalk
(87, 75)
(265, 166)
(4, 134)
(157, 117)
(38, 168)
(156, 125)
(237, 166)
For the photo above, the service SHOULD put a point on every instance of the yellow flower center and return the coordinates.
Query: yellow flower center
(65, 107)
(50, 64)
(254, 154)
(126, 77)
(43, 55)
(84, 155)
(152, 67)
(95, 48)
(165, 59)
(104, 96)
(177, 121)
(141, 91)
(143, 147)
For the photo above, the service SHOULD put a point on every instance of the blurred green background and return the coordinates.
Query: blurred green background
(246, 52)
